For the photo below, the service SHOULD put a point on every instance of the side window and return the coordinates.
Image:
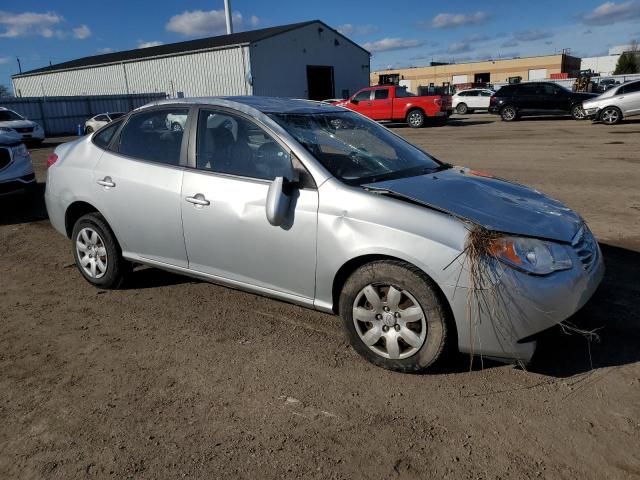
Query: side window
(473, 93)
(528, 89)
(630, 88)
(464, 93)
(231, 144)
(381, 94)
(102, 118)
(149, 136)
(486, 93)
(104, 136)
(363, 96)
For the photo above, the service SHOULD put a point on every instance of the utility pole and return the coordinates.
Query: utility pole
(227, 14)
(19, 66)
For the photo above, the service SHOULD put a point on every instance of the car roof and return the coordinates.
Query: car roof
(261, 104)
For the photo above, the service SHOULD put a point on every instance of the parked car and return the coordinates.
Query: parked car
(514, 101)
(99, 121)
(30, 132)
(396, 104)
(606, 83)
(615, 104)
(320, 206)
(176, 122)
(16, 169)
(468, 101)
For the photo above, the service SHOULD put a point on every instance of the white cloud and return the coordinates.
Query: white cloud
(4, 60)
(531, 35)
(351, 29)
(452, 20)
(612, 12)
(29, 24)
(459, 47)
(387, 44)
(154, 43)
(81, 32)
(105, 50)
(198, 23)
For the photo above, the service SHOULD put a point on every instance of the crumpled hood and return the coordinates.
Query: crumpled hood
(10, 138)
(491, 202)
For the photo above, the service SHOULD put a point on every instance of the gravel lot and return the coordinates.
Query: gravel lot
(175, 378)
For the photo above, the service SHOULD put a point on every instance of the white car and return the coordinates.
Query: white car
(466, 101)
(99, 121)
(16, 169)
(12, 122)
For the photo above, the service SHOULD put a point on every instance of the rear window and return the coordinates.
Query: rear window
(401, 92)
(629, 88)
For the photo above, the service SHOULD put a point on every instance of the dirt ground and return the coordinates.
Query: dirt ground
(175, 378)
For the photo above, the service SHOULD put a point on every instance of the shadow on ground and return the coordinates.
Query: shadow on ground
(23, 207)
(614, 311)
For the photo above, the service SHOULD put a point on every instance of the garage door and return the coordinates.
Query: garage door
(458, 79)
(538, 74)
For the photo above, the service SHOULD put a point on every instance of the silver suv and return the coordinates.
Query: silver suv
(615, 104)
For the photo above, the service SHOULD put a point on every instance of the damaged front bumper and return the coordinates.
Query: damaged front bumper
(499, 322)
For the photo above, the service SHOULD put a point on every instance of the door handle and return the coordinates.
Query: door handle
(198, 199)
(106, 182)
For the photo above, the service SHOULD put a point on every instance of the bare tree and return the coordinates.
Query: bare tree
(5, 91)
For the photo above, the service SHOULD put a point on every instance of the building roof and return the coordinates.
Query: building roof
(221, 41)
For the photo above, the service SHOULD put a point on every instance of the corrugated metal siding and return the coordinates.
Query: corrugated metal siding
(209, 73)
(106, 80)
(279, 64)
(61, 115)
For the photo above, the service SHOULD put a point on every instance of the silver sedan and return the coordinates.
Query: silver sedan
(319, 206)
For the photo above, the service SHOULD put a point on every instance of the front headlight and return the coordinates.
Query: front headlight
(6, 129)
(531, 255)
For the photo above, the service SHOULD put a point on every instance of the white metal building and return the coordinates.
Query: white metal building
(303, 60)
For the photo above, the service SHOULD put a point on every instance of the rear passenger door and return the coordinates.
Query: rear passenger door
(137, 184)
(381, 106)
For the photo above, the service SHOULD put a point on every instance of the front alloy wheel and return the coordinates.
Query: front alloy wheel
(393, 316)
(610, 116)
(389, 321)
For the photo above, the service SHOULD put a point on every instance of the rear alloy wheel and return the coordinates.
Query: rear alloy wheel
(462, 108)
(577, 112)
(393, 317)
(97, 253)
(176, 127)
(509, 113)
(88, 130)
(415, 118)
(611, 115)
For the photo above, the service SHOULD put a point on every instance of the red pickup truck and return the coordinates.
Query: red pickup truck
(392, 103)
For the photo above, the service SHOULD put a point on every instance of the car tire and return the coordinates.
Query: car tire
(610, 115)
(416, 118)
(509, 113)
(97, 253)
(577, 112)
(376, 321)
(462, 108)
(88, 130)
(176, 127)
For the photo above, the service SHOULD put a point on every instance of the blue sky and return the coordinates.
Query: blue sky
(398, 33)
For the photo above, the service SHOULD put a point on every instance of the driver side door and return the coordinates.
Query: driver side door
(226, 231)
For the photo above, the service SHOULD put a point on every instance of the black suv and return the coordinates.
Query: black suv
(537, 98)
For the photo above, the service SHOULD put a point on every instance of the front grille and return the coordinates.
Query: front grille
(586, 247)
(5, 157)
(24, 129)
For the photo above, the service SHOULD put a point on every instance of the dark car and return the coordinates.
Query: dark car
(537, 98)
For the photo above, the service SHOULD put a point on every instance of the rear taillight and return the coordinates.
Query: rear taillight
(53, 158)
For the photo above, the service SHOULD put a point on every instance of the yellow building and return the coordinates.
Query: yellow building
(489, 71)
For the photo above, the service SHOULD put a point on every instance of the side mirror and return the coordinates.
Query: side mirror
(278, 202)
(354, 101)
